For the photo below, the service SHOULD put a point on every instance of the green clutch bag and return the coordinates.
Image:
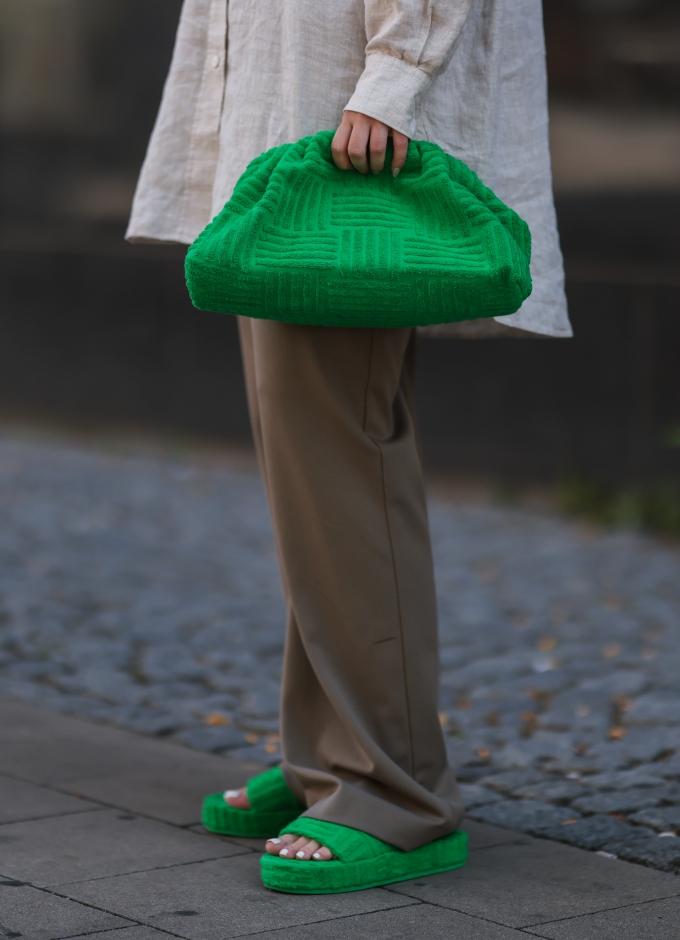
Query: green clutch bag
(304, 242)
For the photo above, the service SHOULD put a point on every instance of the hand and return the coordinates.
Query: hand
(360, 142)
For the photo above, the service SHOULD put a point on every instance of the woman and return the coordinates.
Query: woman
(332, 409)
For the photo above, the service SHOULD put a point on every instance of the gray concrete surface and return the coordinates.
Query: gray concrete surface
(87, 848)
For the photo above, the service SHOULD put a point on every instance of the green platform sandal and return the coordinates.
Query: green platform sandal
(360, 860)
(272, 805)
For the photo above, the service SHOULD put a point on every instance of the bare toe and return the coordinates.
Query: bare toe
(276, 843)
(322, 854)
(237, 798)
(306, 849)
(292, 848)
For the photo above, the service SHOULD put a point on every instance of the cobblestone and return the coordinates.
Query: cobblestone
(552, 791)
(474, 795)
(592, 832)
(621, 801)
(648, 849)
(511, 781)
(139, 586)
(655, 707)
(211, 738)
(663, 818)
(640, 776)
(529, 815)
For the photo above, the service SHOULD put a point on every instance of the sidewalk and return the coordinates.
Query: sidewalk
(139, 589)
(99, 837)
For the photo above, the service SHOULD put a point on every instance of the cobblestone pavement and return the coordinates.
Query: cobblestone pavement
(139, 587)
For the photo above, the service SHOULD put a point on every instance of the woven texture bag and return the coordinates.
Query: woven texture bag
(302, 241)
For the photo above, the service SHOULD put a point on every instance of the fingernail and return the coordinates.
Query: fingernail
(395, 171)
(300, 854)
(274, 841)
(316, 855)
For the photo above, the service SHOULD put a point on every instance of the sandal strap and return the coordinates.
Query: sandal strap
(345, 842)
(269, 791)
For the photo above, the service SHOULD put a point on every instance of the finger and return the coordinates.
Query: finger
(399, 152)
(377, 146)
(339, 146)
(356, 148)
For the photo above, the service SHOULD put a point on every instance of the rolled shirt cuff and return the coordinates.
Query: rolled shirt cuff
(387, 90)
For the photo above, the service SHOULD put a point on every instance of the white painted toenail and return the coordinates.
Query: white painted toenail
(274, 841)
(316, 855)
(283, 852)
(300, 854)
(230, 793)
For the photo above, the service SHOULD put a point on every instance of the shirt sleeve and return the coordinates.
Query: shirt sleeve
(408, 42)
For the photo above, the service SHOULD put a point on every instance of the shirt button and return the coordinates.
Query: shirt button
(216, 61)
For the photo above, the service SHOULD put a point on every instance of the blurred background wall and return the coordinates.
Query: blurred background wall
(99, 334)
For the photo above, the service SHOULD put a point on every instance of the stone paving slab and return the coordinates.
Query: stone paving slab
(62, 849)
(482, 836)
(20, 800)
(31, 914)
(417, 922)
(538, 882)
(74, 749)
(109, 765)
(219, 899)
(126, 933)
(658, 919)
(173, 794)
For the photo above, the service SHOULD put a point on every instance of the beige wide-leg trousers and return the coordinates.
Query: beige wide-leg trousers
(331, 411)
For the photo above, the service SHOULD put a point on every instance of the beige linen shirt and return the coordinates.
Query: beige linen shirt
(469, 75)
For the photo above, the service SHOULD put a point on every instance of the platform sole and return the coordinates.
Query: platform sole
(336, 876)
(248, 823)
